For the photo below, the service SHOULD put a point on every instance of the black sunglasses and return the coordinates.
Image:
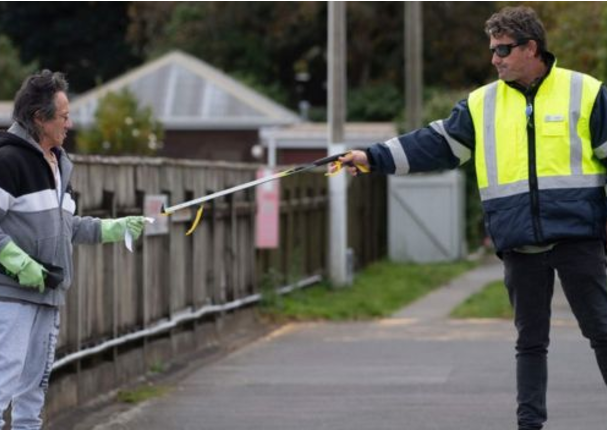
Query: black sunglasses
(504, 50)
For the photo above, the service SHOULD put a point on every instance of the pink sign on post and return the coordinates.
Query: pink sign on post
(268, 211)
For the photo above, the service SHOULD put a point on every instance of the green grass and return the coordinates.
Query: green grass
(141, 394)
(490, 302)
(378, 291)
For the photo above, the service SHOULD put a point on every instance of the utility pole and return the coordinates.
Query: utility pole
(338, 185)
(413, 64)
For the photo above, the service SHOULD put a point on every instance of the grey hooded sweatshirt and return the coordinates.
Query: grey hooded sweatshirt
(38, 218)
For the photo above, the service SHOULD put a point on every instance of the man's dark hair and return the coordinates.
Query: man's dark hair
(36, 97)
(520, 23)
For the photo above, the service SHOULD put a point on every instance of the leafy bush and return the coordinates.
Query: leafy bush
(121, 128)
(378, 102)
(438, 102)
(13, 72)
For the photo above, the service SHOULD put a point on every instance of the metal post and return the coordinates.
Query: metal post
(272, 153)
(338, 189)
(413, 64)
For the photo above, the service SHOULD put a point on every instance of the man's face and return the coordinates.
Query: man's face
(514, 66)
(54, 131)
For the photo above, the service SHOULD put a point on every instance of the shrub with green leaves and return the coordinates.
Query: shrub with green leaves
(121, 127)
(12, 71)
(375, 102)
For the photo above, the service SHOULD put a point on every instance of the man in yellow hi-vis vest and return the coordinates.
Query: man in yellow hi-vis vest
(539, 140)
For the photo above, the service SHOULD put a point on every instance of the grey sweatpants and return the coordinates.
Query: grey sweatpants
(28, 337)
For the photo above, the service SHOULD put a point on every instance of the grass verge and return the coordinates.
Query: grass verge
(141, 394)
(378, 291)
(490, 302)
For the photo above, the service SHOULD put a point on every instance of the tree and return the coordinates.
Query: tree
(121, 127)
(576, 34)
(147, 20)
(12, 71)
(271, 45)
(280, 47)
(84, 40)
(456, 49)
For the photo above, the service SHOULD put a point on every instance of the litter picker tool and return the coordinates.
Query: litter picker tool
(294, 170)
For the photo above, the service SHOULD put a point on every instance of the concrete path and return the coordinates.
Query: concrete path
(415, 371)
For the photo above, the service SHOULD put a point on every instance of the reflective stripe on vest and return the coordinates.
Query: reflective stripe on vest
(564, 154)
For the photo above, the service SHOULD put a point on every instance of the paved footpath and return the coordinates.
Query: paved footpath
(418, 370)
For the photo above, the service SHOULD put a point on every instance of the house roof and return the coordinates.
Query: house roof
(310, 135)
(185, 93)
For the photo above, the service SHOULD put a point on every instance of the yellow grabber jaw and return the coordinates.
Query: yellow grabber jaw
(197, 219)
(195, 223)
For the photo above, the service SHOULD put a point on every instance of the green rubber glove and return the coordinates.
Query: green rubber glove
(29, 272)
(113, 230)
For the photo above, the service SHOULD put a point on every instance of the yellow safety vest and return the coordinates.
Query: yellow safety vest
(563, 152)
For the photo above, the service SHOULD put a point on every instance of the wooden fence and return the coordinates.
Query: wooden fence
(116, 293)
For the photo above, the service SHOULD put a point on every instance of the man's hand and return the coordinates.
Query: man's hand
(17, 263)
(354, 161)
(113, 230)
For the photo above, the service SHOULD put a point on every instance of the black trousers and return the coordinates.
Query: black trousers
(529, 279)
